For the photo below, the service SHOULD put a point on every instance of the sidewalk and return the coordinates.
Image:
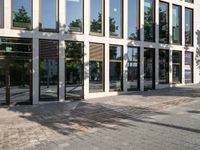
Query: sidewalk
(118, 122)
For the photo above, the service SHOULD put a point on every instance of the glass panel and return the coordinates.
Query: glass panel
(49, 70)
(116, 18)
(163, 66)
(1, 13)
(176, 66)
(49, 18)
(74, 70)
(20, 80)
(2, 82)
(74, 15)
(149, 20)
(176, 24)
(149, 66)
(188, 26)
(133, 68)
(22, 13)
(96, 16)
(190, 1)
(164, 22)
(115, 68)
(96, 68)
(134, 19)
(188, 67)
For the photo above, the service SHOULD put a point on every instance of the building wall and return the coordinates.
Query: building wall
(106, 40)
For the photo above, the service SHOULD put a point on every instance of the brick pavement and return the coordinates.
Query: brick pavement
(162, 119)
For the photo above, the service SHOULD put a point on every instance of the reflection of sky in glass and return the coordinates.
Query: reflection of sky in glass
(116, 13)
(74, 11)
(1, 13)
(96, 8)
(133, 17)
(115, 52)
(176, 15)
(48, 14)
(27, 4)
(132, 54)
(147, 5)
(188, 17)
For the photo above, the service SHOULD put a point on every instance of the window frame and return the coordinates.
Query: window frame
(103, 69)
(192, 27)
(181, 24)
(2, 7)
(168, 18)
(21, 28)
(41, 29)
(122, 67)
(103, 20)
(67, 32)
(122, 22)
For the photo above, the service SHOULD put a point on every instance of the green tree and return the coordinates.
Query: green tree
(21, 18)
(149, 24)
(163, 27)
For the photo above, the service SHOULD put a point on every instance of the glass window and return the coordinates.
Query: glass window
(96, 68)
(163, 66)
(188, 67)
(1, 13)
(176, 35)
(190, 1)
(22, 14)
(164, 22)
(133, 68)
(96, 16)
(188, 26)
(49, 15)
(149, 20)
(49, 78)
(74, 15)
(177, 68)
(116, 68)
(116, 16)
(134, 19)
(149, 69)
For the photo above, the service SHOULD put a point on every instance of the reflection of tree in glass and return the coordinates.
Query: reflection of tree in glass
(75, 26)
(149, 24)
(21, 18)
(95, 71)
(163, 26)
(135, 36)
(74, 50)
(96, 25)
(113, 27)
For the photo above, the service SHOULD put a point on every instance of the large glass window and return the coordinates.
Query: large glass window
(190, 1)
(134, 19)
(74, 15)
(176, 35)
(74, 70)
(22, 14)
(149, 69)
(133, 68)
(163, 66)
(96, 68)
(164, 22)
(177, 71)
(188, 67)
(116, 18)
(96, 16)
(49, 15)
(1, 13)
(49, 78)
(188, 26)
(116, 60)
(149, 20)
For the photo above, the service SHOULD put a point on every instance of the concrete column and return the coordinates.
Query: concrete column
(170, 22)
(183, 25)
(7, 14)
(170, 67)
(125, 69)
(157, 21)
(141, 68)
(62, 16)
(107, 68)
(156, 68)
(142, 22)
(107, 20)
(35, 71)
(142, 45)
(183, 67)
(61, 70)
(86, 69)
(86, 17)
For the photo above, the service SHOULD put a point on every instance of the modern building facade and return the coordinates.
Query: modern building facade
(59, 50)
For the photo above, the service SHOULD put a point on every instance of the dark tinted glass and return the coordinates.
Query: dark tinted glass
(188, 67)
(188, 26)
(176, 35)
(1, 13)
(177, 66)
(149, 20)
(164, 22)
(133, 19)
(116, 18)
(163, 66)
(74, 15)
(22, 13)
